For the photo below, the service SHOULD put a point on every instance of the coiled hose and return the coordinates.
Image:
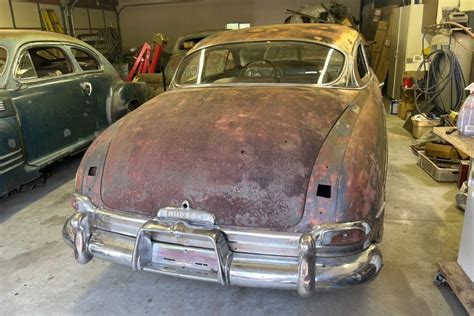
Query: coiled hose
(444, 71)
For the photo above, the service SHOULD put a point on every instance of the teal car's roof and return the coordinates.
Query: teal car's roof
(11, 39)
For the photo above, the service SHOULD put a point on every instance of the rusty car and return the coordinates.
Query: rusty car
(56, 95)
(181, 47)
(263, 166)
(158, 82)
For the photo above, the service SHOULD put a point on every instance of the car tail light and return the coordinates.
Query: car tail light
(344, 237)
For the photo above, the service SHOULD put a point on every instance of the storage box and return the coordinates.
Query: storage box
(405, 110)
(446, 173)
(463, 172)
(422, 125)
(441, 151)
(379, 39)
(415, 74)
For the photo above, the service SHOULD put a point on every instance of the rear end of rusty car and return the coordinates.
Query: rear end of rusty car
(264, 184)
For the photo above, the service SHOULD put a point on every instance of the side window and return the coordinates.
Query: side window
(362, 68)
(3, 59)
(43, 62)
(86, 60)
(25, 68)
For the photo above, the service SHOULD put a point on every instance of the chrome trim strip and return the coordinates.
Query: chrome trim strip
(11, 168)
(3, 164)
(10, 154)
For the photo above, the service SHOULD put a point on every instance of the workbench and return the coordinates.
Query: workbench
(460, 275)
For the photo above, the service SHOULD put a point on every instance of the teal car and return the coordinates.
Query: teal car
(57, 94)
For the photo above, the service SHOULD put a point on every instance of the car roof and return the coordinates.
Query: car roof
(204, 33)
(341, 36)
(191, 36)
(12, 39)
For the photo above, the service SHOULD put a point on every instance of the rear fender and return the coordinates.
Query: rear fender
(322, 192)
(126, 96)
(362, 182)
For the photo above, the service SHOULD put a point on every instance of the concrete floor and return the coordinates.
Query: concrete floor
(38, 274)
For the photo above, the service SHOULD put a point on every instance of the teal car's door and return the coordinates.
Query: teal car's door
(52, 104)
(99, 83)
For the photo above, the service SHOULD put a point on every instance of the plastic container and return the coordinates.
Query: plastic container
(466, 114)
(449, 173)
(407, 82)
(422, 125)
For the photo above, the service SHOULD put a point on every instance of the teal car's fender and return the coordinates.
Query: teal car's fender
(126, 97)
(13, 169)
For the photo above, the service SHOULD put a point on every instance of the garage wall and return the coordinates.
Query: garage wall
(138, 24)
(26, 15)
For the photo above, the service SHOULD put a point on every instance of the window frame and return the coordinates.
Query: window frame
(84, 49)
(25, 53)
(6, 60)
(345, 73)
(361, 81)
(57, 45)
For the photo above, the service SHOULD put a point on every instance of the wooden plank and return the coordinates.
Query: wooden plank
(54, 20)
(463, 143)
(459, 283)
(46, 21)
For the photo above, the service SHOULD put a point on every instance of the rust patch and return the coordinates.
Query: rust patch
(245, 154)
(343, 37)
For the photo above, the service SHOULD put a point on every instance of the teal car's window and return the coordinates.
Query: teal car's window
(85, 60)
(43, 62)
(3, 59)
(25, 68)
(262, 62)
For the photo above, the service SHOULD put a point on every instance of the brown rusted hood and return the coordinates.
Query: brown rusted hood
(244, 154)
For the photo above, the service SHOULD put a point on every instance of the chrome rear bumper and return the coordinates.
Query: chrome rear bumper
(209, 253)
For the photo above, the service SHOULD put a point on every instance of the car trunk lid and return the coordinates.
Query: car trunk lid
(242, 154)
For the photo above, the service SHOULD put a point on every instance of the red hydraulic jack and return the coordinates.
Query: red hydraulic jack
(143, 64)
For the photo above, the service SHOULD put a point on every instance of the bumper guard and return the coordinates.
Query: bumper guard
(204, 253)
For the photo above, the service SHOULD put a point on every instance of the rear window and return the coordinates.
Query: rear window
(262, 62)
(3, 59)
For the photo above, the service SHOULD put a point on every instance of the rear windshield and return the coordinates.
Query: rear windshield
(262, 62)
(3, 59)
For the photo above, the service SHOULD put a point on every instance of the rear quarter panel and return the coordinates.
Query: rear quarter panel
(361, 188)
(126, 94)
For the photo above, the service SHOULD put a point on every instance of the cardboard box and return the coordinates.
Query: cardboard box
(441, 151)
(405, 109)
(381, 69)
(415, 74)
(379, 42)
(382, 26)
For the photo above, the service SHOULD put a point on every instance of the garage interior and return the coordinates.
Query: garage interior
(428, 236)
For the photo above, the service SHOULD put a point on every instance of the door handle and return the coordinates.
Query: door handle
(87, 88)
